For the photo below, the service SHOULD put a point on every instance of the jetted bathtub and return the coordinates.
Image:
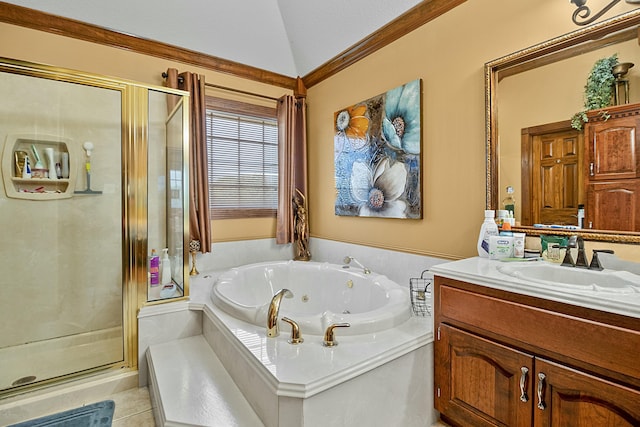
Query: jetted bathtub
(323, 294)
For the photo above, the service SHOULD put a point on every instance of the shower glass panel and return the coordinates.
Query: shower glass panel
(61, 255)
(166, 189)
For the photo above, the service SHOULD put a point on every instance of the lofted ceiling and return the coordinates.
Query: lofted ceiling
(288, 37)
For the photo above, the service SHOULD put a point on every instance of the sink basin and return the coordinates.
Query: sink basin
(556, 275)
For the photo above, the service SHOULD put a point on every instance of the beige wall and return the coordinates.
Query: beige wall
(448, 54)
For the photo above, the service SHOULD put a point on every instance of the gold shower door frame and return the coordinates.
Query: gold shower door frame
(134, 158)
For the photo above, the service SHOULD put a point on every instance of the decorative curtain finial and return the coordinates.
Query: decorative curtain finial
(194, 246)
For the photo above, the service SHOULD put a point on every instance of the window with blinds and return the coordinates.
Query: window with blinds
(243, 160)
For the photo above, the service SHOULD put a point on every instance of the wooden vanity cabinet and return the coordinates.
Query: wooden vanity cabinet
(503, 359)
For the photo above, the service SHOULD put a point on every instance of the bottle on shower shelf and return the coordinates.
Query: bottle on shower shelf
(26, 169)
(166, 267)
(154, 268)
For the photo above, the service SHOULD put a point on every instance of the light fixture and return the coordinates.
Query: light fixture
(582, 14)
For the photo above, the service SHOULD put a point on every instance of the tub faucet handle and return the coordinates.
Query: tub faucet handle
(329, 340)
(296, 338)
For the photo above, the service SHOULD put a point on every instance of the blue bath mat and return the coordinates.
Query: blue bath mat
(95, 415)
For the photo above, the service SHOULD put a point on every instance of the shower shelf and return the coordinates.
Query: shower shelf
(36, 188)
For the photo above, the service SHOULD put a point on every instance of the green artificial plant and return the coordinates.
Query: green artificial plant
(598, 91)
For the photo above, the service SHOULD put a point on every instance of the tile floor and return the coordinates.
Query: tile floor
(133, 408)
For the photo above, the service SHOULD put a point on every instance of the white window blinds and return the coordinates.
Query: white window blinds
(243, 164)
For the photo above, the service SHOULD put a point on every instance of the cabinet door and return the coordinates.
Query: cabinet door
(612, 149)
(613, 205)
(566, 398)
(481, 383)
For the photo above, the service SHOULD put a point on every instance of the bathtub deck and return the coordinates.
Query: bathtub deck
(190, 387)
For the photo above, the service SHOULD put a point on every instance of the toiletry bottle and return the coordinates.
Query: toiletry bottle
(154, 268)
(518, 244)
(509, 202)
(489, 228)
(166, 267)
(581, 216)
(26, 170)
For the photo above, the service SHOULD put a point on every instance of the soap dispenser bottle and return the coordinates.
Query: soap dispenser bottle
(166, 267)
(489, 228)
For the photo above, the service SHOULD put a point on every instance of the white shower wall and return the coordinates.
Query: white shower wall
(61, 260)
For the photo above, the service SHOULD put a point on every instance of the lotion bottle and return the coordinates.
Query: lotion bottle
(166, 267)
(154, 268)
(489, 228)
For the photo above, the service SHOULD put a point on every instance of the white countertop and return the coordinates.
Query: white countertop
(482, 271)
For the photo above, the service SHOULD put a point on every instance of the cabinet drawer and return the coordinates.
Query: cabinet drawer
(555, 334)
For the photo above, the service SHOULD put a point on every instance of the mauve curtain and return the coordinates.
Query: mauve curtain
(199, 218)
(292, 162)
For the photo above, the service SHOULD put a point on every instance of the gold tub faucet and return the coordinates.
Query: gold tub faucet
(274, 307)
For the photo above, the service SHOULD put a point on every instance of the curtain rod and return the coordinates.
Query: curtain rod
(244, 92)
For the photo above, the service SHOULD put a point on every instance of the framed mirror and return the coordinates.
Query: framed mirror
(537, 90)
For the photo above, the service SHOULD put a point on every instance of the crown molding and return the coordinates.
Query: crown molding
(414, 18)
(30, 18)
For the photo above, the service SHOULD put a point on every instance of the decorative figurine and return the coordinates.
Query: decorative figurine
(301, 230)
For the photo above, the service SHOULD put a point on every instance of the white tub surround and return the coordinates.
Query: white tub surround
(493, 274)
(207, 392)
(306, 369)
(380, 378)
(323, 294)
(163, 323)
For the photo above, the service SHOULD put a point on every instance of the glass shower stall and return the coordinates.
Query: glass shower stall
(92, 170)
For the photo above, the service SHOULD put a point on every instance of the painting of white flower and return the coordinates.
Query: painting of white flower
(377, 155)
(377, 191)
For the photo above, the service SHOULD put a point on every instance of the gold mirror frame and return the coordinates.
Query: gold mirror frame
(567, 45)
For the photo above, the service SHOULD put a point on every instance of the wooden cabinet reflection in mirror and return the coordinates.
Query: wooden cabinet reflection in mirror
(599, 168)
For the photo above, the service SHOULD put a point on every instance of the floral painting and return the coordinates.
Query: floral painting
(377, 145)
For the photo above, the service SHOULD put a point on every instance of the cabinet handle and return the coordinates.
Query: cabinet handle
(523, 384)
(591, 169)
(541, 404)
